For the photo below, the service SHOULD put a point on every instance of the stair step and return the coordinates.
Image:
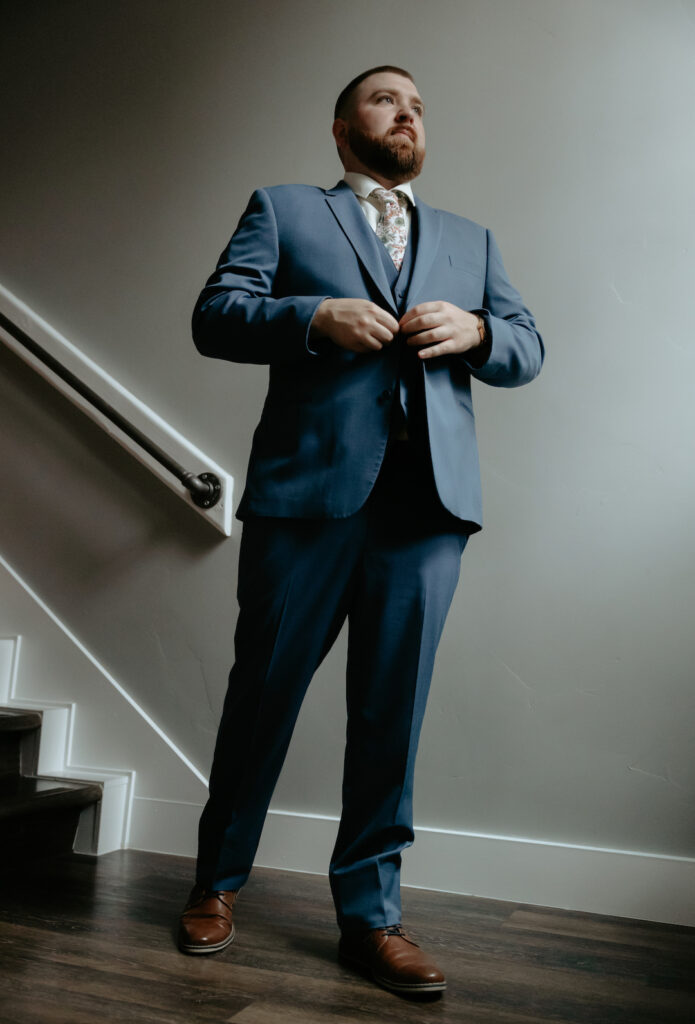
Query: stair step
(23, 796)
(19, 720)
(45, 807)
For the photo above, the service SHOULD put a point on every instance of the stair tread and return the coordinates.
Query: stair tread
(19, 720)
(35, 794)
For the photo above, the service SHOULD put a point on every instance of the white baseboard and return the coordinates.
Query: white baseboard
(620, 883)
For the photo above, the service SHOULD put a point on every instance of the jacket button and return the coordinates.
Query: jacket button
(384, 396)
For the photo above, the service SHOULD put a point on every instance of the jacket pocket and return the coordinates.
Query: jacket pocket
(467, 266)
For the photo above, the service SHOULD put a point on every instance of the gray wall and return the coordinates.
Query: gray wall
(562, 705)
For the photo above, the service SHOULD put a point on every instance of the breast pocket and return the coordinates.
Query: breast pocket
(466, 284)
(466, 266)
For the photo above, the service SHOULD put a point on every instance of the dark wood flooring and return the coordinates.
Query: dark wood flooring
(87, 941)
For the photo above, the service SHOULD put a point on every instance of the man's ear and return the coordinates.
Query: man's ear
(340, 133)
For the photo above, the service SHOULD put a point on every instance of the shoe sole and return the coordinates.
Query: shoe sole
(203, 950)
(394, 986)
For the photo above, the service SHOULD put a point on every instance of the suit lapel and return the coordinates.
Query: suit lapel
(429, 223)
(347, 212)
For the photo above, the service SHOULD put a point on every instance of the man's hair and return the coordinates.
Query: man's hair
(343, 102)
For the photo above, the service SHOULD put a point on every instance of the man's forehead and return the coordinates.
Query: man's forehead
(389, 81)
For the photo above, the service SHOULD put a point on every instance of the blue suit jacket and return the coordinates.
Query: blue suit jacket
(322, 434)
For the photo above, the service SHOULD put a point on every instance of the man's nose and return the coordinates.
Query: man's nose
(404, 114)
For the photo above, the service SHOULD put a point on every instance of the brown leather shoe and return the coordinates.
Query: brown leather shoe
(206, 924)
(394, 960)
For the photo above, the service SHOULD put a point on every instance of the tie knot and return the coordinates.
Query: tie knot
(386, 196)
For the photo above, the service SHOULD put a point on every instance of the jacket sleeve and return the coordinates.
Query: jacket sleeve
(514, 348)
(236, 316)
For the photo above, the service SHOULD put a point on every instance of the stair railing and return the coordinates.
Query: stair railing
(209, 490)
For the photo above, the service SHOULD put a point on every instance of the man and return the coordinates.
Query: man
(373, 311)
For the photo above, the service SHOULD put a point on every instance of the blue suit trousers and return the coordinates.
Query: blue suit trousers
(390, 569)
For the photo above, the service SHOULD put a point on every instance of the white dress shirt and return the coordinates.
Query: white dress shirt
(362, 185)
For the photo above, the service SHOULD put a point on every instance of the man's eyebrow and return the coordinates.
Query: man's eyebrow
(393, 92)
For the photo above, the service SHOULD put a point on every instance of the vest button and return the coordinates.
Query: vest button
(384, 396)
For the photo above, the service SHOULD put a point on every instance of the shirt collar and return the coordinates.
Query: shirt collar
(362, 185)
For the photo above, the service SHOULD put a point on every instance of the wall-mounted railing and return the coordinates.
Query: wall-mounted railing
(170, 456)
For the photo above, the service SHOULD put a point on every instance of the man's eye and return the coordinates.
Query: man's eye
(418, 110)
(389, 98)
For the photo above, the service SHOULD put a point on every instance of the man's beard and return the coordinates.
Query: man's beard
(389, 155)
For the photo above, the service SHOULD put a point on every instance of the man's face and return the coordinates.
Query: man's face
(383, 131)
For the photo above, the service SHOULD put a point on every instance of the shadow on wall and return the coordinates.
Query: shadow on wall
(106, 510)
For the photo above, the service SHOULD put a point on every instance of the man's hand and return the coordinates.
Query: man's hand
(355, 324)
(442, 326)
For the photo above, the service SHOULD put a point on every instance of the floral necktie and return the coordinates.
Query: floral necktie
(392, 227)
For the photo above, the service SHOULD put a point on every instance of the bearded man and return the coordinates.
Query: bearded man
(373, 311)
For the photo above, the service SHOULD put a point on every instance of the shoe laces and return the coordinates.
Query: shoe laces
(207, 894)
(398, 930)
(393, 929)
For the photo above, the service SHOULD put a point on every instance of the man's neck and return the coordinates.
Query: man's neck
(360, 168)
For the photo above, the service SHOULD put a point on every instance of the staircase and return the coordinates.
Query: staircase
(90, 729)
(39, 815)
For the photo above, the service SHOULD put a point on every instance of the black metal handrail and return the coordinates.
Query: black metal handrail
(205, 488)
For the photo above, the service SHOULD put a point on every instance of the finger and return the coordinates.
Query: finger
(383, 316)
(370, 344)
(428, 337)
(423, 322)
(442, 349)
(411, 326)
(423, 308)
(384, 334)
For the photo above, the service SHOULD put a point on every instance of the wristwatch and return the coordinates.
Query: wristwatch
(481, 329)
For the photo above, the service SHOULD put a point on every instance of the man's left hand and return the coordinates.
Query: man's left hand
(442, 327)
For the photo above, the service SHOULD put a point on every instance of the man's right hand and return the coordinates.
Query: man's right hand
(355, 324)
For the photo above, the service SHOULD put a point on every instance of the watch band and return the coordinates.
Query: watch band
(481, 329)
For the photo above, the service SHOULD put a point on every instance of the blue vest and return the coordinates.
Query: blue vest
(411, 405)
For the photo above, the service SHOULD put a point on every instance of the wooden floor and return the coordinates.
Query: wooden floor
(88, 940)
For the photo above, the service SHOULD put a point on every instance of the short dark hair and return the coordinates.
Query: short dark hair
(343, 100)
